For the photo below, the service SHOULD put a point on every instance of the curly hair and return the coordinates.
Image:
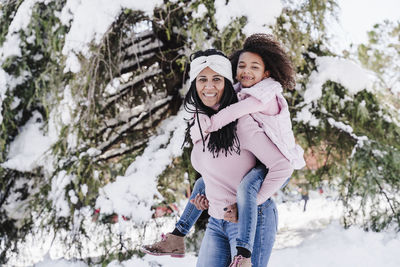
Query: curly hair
(225, 139)
(275, 59)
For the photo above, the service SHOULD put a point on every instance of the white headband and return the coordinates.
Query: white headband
(217, 63)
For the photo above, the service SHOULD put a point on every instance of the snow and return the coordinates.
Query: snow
(133, 195)
(348, 129)
(72, 64)
(313, 238)
(28, 146)
(89, 21)
(72, 196)
(259, 13)
(3, 90)
(112, 87)
(67, 106)
(57, 193)
(343, 71)
(16, 205)
(306, 116)
(92, 152)
(336, 246)
(200, 12)
(346, 72)
(8, 83)
(340, 125)
(31, 146)
(60, 263)
(15, 103)
(11, 45)
(84, 189)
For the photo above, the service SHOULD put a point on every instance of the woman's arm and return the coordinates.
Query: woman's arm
(279, 168)
(239, 109)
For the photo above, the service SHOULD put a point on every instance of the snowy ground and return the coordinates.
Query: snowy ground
(306, 239)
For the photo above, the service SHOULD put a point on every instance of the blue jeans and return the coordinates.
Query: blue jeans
(247, 206)
(191, 213)
(219, 243)
(246, 196)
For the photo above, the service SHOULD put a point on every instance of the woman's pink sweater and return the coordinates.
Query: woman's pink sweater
(223, 174)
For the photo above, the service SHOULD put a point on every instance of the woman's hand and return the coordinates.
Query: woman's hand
(231, 213)
(200, 201)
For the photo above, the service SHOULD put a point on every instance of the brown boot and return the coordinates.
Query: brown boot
(170, 244)
(240, 261)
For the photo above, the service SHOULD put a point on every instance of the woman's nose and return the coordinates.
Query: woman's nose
(209, 85)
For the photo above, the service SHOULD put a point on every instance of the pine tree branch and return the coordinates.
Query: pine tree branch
(387, 199)
(8, 186)
(133, 122)
(119, 151)
(125, 88)
(127, 116)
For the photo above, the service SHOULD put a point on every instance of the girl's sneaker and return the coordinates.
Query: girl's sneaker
(170, 244)
(240, 261)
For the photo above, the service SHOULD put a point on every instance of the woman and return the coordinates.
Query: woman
(231, 152)
(224, 158)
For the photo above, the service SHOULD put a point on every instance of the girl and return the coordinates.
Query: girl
(262, 68)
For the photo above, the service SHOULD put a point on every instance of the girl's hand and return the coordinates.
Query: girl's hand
(231, 213)
(200, 201)
(205, 123)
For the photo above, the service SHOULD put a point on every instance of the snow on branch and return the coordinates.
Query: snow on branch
(127, 115)
(132, 195)
(20, 22)
(90, 20)
(130, 63)
(258, 18)
(116, 90)
(348, 129)
(135, 121)
(345, 72)
(339, 70)
(142, 47)
(28, 147)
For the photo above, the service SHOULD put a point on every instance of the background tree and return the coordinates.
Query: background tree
(96, 112)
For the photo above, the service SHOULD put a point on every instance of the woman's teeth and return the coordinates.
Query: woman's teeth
(210, 95)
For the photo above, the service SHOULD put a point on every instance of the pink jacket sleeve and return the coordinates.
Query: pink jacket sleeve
(235, 111)
(204, 122)
(256, 142)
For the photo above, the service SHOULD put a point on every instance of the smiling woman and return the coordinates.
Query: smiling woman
(211, 80)
(210, 87)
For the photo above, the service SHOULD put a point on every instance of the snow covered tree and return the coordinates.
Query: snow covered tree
(91, 119)
(381, 55)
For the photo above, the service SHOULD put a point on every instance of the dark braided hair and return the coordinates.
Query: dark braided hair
(225, 139)
(275, 59)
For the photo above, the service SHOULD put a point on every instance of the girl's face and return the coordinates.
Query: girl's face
(250, 69)
(210, 87)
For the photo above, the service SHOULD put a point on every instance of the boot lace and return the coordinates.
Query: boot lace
(163, 237)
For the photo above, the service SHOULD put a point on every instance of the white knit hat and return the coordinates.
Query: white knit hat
(217, 63)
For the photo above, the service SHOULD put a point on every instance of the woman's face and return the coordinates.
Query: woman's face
(210, 87)
(250, 69)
